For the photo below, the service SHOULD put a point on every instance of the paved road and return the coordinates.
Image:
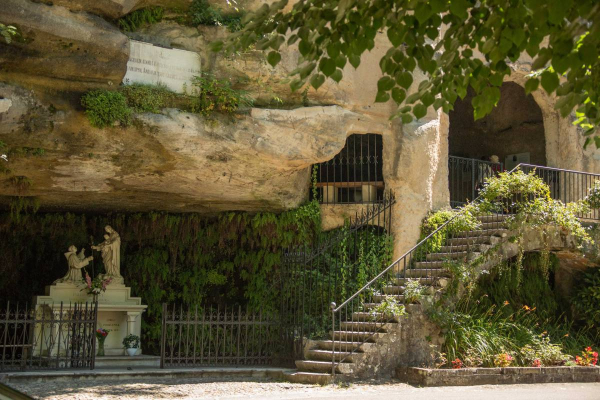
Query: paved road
(177, 388)
(554, 391)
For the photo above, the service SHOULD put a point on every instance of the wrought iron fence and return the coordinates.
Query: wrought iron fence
(466, 177)
(355, 175)
(195, 336)
(567, 185)
(331, 269)
(47, 336)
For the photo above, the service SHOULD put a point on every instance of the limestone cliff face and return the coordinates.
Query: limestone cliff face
(257, 160)
(60, 49)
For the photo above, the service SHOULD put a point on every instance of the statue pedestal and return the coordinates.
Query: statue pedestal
(118, 312)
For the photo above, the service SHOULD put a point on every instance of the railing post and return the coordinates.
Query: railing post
(332, 307)
(163, 335)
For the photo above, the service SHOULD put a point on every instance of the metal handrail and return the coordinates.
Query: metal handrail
(336, 309)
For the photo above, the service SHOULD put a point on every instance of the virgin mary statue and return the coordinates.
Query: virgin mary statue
(111, 252)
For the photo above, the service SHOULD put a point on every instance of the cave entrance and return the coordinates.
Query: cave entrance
(512, 133)
(355, 174)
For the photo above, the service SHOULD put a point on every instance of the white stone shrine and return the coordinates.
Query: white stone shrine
(118, 312)
(156, 65)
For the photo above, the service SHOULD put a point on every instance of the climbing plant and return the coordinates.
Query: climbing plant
(140, 18)
(233, 258)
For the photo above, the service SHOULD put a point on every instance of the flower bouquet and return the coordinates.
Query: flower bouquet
(97, 285)
(101, 335)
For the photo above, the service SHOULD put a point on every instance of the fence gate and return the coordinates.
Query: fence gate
(47, 336)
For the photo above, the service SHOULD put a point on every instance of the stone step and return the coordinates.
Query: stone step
(314, 378)
(127, 361)
(378, 298)
(326, 355)
(430, 264)
(482, 232)
(355, 336)
(492, 217)
(493, 225)
(468, 241)
(460, 248)
(393, 289)
(323, 366)
(342, 345)
(419, 273)
(366, 326)
(454, 255)
(401, 280)
(370, 316)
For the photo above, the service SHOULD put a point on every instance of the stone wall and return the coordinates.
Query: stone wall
(496, 376)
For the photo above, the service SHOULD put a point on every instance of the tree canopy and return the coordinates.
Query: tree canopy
(440, 37)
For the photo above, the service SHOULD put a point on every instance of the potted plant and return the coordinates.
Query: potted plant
(131, 343)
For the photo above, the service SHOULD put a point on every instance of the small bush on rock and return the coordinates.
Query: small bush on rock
(147, 98)
(104, 107)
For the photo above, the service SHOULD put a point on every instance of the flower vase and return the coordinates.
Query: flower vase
(100, 347)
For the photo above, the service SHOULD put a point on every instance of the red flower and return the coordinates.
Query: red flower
(537, 363)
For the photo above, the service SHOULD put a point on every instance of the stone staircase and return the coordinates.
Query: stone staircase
(358, 335)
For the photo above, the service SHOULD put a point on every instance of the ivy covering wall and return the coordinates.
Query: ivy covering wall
(232, 258)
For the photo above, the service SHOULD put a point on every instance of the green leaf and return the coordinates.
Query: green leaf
(337, 75)
(354, 60)
(304, 47)
(296, 84)
(396, 36)
(588, 54)
(407, 118)
(531, 85)
(385, 84)
(550, 81)
(419, 111)
(317, 80)
(327, 66)
(542, 59)
(273, 58)
(382, 97)
(307, 69)
(459, 8)
(340, 61)
(423, 12)
(404, 79)
(398, 95)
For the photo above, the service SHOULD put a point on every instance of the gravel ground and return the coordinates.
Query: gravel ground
(249, 388)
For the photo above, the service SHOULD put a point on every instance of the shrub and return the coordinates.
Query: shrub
(202, 13)
(414, 291)
(587, 298)
(388, 308)
(593, 197)
(103, 108)
(148, 98)
(218, 95)
(135, 20)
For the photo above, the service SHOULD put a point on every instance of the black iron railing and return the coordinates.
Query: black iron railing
(355, 175)
(466, 177)
(353, 322)
(566, 185)
(337, 265)
(195, 336)
(47, 336)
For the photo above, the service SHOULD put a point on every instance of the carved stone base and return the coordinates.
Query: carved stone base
(118, 312)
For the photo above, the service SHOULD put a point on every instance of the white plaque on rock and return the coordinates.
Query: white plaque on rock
(155, 65)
